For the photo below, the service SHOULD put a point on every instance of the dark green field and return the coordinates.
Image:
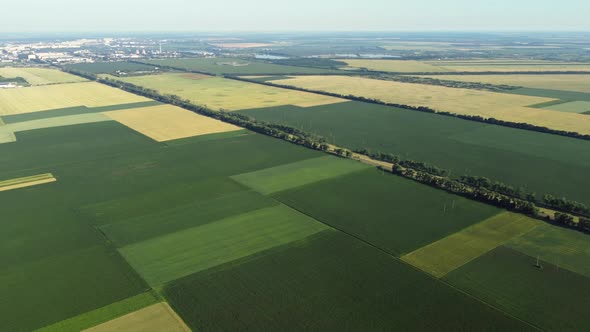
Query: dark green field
(557, 94)
(111, 67)
(237, 66)
(552, 298)
(541, 163)
(392, 213)
(330, 282)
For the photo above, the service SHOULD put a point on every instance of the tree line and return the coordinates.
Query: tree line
(447, 83)
(476, 118)
(477, 188)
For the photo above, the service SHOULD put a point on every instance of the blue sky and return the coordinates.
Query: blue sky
(299, 15)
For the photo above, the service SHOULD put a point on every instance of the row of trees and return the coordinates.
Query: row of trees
(477, 118)
(478, 188)
(447, 83)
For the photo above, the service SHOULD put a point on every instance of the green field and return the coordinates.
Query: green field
(330, 282)
(571, 107)
(443, 256)
(176, 255)
(104, 314)
(271, 180)
(562, 247)
(386, 211)
(236, 66)
(517, 157)
(111, 67)
(552, 298)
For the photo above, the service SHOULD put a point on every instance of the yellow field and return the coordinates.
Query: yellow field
(579, 83)
(166, 122)
(47, 97)
(219, 93)
(28, 181)
(399, 66)
(487, 104)
(155, 318)
(509, 65)
(443, 256)
(40, 76)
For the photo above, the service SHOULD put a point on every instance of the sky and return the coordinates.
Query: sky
(298, 15)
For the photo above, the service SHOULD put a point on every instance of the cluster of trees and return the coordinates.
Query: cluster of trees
(447, 83)
(478, 188)
(479, 194)
(564, 219)
(477, 118)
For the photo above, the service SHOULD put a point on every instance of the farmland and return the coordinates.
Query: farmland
(47, 97)
(236, 66)
(111, 67)
(549, 297)
(464, 147)
(503, 106)
(157, 317)
(329, 281)
(39, 76)
(398, 66)
(578, 83)
(500, 65)
(220, 93)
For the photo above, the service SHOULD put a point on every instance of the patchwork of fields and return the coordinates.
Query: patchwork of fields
(503, 106)
(39, 76)
(162, 219)
(219, 93)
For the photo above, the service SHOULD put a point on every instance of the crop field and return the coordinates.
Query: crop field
(48, 97)
(102, 315)
(220, 93)
(571, 107)
(157, 317)
(236, 66)
(28, 181)
(165, 122)
(397, 66)
(386, 211)
(561, 247)
(445, 255)
(69, 120)
(504, 106)
(327, 282)
(271, 180)
(578, 83)
(550, 297)
(509, 65)
(40, 76)
(111, 67)
(463, 147)
(176, 255)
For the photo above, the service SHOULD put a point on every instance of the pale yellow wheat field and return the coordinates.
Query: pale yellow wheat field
(219, 93)
(165, 122)
(47, 97)
(487, 104)
(40, 76)
(155, 318)
(578, 83)
(28, 181)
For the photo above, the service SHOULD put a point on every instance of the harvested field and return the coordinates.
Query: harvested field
(550, 297)
(48, 97)
(561, 247)
(297, 174)
(26, 182)
(578, 83)
(40, 76)
(397, 66)
(508, 107)
(220, 93)
(155, 318)
(165, 122)
(102, 315)
(203, 247)
(7, 130)
(456, 250)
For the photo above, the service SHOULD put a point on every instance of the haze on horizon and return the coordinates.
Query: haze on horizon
(283, 15)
